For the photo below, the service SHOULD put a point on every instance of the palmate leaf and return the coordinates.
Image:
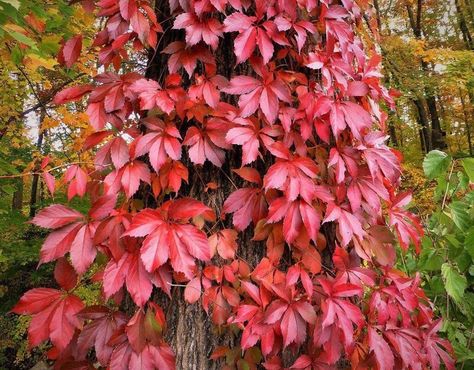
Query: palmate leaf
(436, 163)
(454, 282)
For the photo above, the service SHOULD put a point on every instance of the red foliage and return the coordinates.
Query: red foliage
(308, 107)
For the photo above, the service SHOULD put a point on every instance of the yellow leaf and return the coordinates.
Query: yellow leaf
(33, 62)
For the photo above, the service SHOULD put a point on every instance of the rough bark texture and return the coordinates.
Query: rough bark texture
(423, 123)
(17, 199)
(466, 34)
(35, 181)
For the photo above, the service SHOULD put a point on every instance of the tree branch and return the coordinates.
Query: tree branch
(41, 104)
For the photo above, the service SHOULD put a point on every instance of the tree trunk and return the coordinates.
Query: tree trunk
(466, 34)
(391, 127)
(35, 181)
(422, 119)
(438, 135)
(377, 15)
(469, 6)
(467, 121)
(17, 200)
(189, 329)
(393, 134)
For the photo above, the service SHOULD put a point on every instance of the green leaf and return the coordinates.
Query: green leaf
(17, 55)
(436, 163)
(7, 13)
(21, 38)
(469, 242)
(460, 215)
(468, 164)
(454, 282)
(463, 261)
(13, 3)
(471, 270)
(463, 181)
(436, 285)
(430, 260)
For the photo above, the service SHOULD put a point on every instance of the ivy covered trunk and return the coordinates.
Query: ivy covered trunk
(190, 330)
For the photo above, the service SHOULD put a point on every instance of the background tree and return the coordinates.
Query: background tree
(428, 32)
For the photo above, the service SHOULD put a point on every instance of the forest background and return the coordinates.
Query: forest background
(428, 56)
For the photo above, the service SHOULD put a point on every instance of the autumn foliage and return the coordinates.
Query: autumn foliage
(309, 107)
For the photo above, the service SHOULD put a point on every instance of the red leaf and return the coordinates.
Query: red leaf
(132, 174)
(56, 216)
(297, 216)
(249, 174)
(162, 142)
(59, 242)
(141, 26)
(207, 29)
(54, 316)
(98, 332)
(70, 51)
(102, 207)
(151, 95)
(83, 251)
(65, 275)
(180, 243)
(254, 93)
(187, 57)
(119, 152)
(247, 205)
(406, 224)
(71, 94)
(49, 181)
(36, 300)
(129, 270)
(349, 225)
(224, 242)
(202, 146)
(381, 349)
(192, 292)
(293, 176)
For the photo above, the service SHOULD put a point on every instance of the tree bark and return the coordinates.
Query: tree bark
(466, 34)
(189, 329)
(35, 181)
(422, 119)
(469, 6)
(438, 135)
(17, 200)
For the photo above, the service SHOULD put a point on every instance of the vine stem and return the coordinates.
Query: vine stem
(51, 169)
(447, 186)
